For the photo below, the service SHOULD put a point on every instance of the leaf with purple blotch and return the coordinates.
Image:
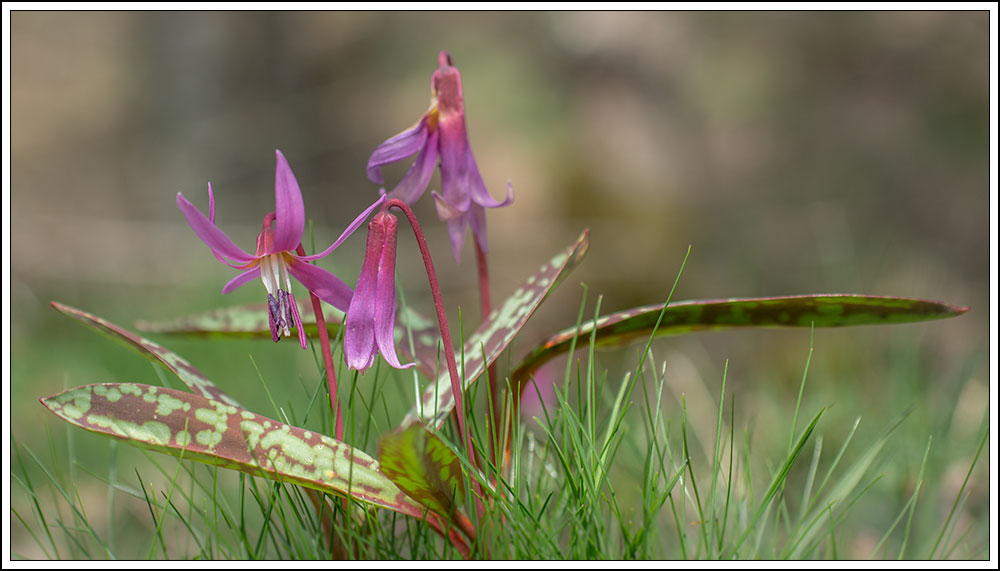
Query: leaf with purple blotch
(197, 428)
(251, 321)
(496, 333)
(823, 310)
(186, 372)
(424, 467)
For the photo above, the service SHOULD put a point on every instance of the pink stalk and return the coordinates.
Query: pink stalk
(331, 373)
(449, 351)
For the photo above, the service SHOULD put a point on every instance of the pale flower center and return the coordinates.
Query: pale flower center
(274, 274)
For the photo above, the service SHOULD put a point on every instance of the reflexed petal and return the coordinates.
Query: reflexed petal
(415, 181)
(385, 297)
(397, 148)
(210, 234)
(346, 233)
(241, 279)
(359, 336)
(291, 214)
(325, 285)
(477, 188)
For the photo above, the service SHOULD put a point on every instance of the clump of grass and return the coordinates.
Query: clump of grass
(608, 470)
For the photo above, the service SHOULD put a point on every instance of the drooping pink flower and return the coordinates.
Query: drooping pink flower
(441, 134)
(372, 313)
(275, 258)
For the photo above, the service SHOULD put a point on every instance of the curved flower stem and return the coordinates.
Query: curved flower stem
(331, 372)
(449, 351)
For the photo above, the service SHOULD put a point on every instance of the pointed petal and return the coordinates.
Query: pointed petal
(397, 148)
(241, 280)
(210, 234)
(454, 146)
(359, 336)
(477, 220)
(291, 214)
(385, 297)
(477, 188)
(456, 233)
(347, 233)
(445, 210)
(325, 285)
(415, 181)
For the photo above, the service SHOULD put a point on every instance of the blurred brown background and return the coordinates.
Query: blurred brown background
(796, 153)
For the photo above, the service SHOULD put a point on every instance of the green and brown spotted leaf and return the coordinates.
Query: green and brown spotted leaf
(496, 333)
(186, 372)
(829, 310)
(241, 321)
(423, 466)
(197, 428)
(251, 321)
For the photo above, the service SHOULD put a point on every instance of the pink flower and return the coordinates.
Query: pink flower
(275, 258)
(441, 134)
(372, 313)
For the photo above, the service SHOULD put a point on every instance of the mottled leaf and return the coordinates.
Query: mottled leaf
(829, 310)
(496, 333)
(251, 321)
(196, 428)
(423, 466)
(176, 364)
(239, 321)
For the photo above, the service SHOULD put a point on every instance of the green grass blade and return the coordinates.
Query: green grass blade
(839, 493)
(961, 491)
(776, 484)
(909, 509)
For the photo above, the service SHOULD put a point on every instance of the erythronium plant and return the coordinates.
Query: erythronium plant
(419, 473)
(371, 317)
(279, 254)
(441, 134)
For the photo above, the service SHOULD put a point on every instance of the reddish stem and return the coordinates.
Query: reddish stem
(331, 374)
(491, 372)
(449, 351)
(484, 281)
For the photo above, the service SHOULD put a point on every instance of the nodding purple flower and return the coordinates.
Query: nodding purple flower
(275, 258)
(441, 134)
(372, 313)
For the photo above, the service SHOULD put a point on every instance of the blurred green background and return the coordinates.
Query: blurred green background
(795, 152)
